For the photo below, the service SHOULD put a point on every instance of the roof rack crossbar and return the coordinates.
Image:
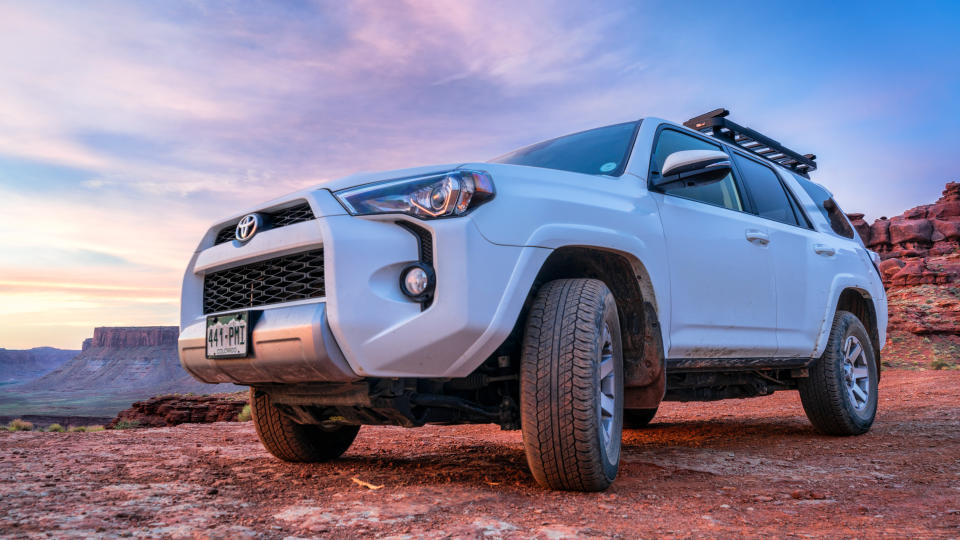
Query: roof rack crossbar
(716, 124)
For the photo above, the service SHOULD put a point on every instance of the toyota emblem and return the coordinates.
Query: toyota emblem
(248, 227)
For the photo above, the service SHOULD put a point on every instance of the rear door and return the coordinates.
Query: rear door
(833, 252)
(800, 258)
(722, 286)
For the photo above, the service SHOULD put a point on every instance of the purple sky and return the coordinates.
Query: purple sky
(126, 128)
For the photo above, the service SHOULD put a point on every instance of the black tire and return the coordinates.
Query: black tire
(291, 441)
(837, 400)
(570, 443)
(638, 418)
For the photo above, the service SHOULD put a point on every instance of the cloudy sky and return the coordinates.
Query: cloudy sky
(126, 128)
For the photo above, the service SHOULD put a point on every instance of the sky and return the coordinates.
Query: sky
(127, 128)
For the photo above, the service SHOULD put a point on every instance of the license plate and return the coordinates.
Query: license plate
(228, 336)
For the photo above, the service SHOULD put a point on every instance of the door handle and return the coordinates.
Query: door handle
(757, 237)
(825, 250)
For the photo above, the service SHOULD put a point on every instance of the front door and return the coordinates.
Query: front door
(722, 285)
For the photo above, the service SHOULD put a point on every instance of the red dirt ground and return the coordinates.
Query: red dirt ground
(736, 468)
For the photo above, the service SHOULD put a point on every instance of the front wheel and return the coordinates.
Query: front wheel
(840, 395)
(290, 441)
(571, 379)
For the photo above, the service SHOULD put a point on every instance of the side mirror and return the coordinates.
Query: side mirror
(694, 167)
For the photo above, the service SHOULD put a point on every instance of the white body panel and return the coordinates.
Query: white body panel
(716, 293)
(712, 263)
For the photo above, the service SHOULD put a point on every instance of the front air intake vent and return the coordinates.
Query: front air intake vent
(274, 281)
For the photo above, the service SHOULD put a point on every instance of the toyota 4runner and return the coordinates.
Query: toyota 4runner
(564, 289)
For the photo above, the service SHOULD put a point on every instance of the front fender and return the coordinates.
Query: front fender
(646, 255)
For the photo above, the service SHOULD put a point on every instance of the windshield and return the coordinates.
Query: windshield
(597, 151)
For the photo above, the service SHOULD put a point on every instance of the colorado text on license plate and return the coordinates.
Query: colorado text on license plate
(227, 335)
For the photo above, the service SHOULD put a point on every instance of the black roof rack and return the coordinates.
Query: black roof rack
(716, 124)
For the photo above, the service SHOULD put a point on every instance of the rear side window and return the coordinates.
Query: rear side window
(828, 207)
(722, 193)
(765, 189)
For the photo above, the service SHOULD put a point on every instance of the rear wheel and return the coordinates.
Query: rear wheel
(840, 395)
(291, 441)
(571, 400)
(638, 418)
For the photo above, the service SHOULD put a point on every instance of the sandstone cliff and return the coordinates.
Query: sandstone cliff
(920, 252)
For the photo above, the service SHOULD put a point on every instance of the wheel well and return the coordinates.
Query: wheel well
(632, 289)
(860, 304)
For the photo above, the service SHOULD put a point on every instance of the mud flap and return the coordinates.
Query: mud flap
(645, 378)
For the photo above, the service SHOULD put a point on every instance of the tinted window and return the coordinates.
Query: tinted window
(828, 207)
(597, 151)
(722, 193)
(797, 210)
(766, 191)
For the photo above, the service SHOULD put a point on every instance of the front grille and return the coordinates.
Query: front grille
(283, 279)
(271, 220)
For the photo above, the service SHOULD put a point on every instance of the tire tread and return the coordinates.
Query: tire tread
(290, 441)
(557, 389)
(822, 393)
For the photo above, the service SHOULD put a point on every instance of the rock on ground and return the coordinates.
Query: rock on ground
(724, 469)
(176, 409)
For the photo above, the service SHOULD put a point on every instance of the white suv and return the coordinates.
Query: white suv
(564, 289)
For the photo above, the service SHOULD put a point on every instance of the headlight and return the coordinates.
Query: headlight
(441, 195)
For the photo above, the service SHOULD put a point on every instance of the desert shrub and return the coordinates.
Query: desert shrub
(126, 424)
(244, 415)
(940, 363)
(20, 425)
(55, 428)
(77, 429)
(94, 428)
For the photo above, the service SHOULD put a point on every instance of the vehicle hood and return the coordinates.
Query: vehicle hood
(361, 178)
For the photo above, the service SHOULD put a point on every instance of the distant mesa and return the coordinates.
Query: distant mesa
(131, 359)
(25, 365)
(134, 336)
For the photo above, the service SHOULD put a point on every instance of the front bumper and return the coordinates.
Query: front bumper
(289, 345)
(364, 326)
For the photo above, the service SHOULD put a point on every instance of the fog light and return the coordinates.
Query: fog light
(417, 281)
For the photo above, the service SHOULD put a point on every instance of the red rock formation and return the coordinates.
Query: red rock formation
(922, 246)
(920, 252)
(171, 410)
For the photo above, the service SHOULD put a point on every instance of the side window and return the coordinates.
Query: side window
(828, 207)
(797, 210)
(722, 193)
(766, 190)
